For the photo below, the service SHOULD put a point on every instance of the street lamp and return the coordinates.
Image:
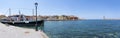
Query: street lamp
(36, 26)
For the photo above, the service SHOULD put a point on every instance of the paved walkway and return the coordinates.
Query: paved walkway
(17, 32)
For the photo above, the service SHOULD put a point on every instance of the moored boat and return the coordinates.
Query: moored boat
(21, 20)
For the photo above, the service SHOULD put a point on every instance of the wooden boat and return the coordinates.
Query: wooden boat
(21, 20)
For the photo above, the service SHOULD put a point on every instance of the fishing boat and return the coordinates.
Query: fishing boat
(21, 20)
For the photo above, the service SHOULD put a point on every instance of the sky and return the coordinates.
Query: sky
(87, 9)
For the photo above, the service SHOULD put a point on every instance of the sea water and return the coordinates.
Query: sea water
(82, 29)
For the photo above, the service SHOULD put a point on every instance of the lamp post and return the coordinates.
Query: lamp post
(36, 26)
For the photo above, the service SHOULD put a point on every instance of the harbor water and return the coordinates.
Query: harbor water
(83, 29)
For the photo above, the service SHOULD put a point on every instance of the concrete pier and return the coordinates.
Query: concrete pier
(17, 32)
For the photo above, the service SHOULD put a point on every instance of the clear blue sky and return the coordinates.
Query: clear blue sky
(89, 9)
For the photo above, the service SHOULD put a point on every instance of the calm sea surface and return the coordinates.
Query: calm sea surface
(82, 29)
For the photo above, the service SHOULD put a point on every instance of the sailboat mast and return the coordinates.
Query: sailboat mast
(33, 12)
(9, 12)
(19, 12)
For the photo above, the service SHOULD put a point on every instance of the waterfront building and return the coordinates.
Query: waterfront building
(55, 17)
(2, 16)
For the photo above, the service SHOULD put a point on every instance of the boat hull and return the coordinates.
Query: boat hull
(25, 23)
